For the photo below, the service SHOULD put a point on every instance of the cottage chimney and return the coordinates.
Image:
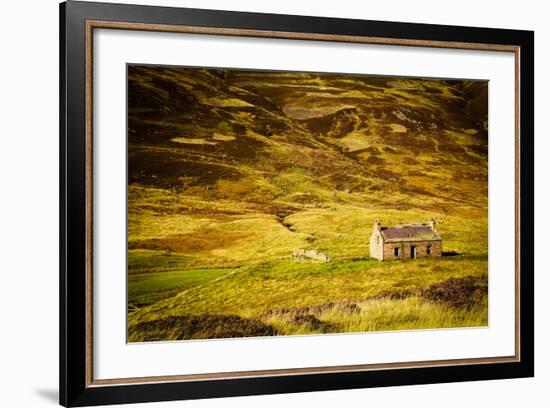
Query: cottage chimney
(432, 224)
(377, 226)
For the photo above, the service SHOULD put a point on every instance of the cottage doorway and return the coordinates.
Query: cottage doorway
(413, 252)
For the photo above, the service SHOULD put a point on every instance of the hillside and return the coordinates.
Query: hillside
(229, 169)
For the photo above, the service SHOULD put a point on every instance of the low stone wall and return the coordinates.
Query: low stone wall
(304, 255)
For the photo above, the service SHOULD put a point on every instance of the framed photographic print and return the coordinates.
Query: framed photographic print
(256, 203)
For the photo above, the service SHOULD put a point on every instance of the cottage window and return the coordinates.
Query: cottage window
(396, 251)
(428, 250)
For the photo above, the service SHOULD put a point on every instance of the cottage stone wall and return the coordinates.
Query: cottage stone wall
(405, 249)
(376, 246)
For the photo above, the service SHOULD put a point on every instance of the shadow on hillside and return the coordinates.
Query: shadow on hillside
(206, 326)
(451, 253)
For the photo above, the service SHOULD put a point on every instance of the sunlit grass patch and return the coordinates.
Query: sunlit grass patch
(193, 140)
(398, 128)
(223, 138)
(226, 102)
(354, 142)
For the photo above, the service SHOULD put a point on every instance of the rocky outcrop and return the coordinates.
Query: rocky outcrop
(305, 255)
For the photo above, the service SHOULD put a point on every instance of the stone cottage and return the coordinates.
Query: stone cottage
(407, 241)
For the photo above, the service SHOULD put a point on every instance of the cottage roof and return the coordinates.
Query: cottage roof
(410, 233)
